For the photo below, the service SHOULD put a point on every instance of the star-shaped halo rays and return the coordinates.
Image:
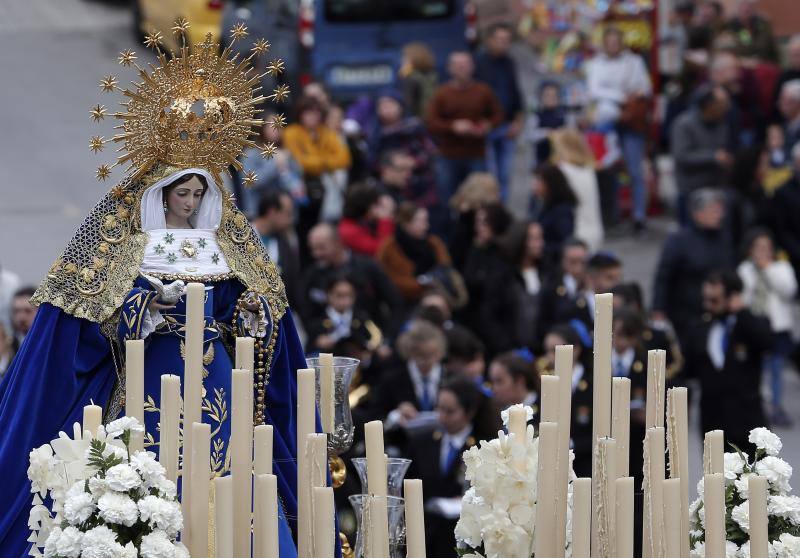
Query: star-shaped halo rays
(96, 143)
(249, 179)
(238, 31)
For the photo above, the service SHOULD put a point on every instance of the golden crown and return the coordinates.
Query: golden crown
(196, 108)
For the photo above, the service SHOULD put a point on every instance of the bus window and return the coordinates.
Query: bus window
(350, 11)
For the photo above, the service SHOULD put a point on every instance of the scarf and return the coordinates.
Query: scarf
(418, 250)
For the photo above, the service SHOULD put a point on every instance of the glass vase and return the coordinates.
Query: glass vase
(340, 440)
(396, 469)
(397, 530)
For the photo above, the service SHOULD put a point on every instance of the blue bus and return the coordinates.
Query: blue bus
(353, 46)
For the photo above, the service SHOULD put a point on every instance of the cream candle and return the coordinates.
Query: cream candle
(655, 490)
(192, 381)
(415, 518)
(199, 482)
(601, 398)
(714, 504)
(326, 392)
(92, 419)
(262, 442)
(134, 387)
(376, 464)
(245, 353)
(582, 517)
(241, 450)
(678, 436)
(621, 422)
(518, 423)
(604, 500)
(672, 517)
(265, 520)
(757, 491)
(323, 522)
(713, 452)
(563, 368)
(305, 426)
(223, 516)
(378, 527)
(624, 516)
(550, 398)
(547, 482)
(169, 418)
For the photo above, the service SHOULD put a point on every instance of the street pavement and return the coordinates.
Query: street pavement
(52, 55)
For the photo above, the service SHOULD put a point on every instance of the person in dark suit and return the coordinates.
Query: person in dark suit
(515, 380)
(274, 224)
(557, 213)
(581, 421)
(561, 289)
(726, 349)
(436, 458)
(342, 320)
(411, 387)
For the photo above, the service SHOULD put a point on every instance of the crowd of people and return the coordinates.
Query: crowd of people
(389, 220)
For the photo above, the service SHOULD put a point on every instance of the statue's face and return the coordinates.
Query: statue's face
(184, 199)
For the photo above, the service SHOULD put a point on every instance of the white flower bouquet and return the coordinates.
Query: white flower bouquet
(783, 509)
(499, 509)
(106, 502)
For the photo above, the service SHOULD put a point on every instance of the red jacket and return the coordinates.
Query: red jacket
(361, 238)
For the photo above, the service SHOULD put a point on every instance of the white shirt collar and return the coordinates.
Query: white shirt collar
(456, 440)
(531, 398)
(577, 375)
(626, 359)
(570, 284)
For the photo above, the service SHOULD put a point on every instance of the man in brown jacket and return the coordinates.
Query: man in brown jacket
(460, 115)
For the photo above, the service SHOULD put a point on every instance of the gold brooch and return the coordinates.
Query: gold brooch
(188, 249)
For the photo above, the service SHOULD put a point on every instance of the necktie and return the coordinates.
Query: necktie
(726, 335)
(425, 401)
(452, 454)
(619, 369)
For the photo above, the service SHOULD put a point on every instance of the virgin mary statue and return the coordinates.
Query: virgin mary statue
(120, 277)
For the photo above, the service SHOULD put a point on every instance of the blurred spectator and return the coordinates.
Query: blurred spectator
(9, 283)
(629, 360)
(281, 170)
(515, 380)
(498, 70)
(315, 90)
(395, 133)
(709, 21)
(368, 218)
(687, 257)
(436, 458)
(22, 315)
(562, 289)
(770, 286)
(754, 35)
(478, 190)
(700, 139)
(511, 311)
(320, 152)
(557, 208)
(6, 350)
(412, 255)
(581, 423)
(785, 210)
(341, 320)
(374, 292)
(572, 155)
(725, 351)
(603, 273)
(492, 222)
(418, 77)
(460, 115)
(791, 71)
(744, 116)
(411, 387)
(274, 224)
(789, 104)
(466, 355)
(550, 115)
(394, 171)
(619, 88)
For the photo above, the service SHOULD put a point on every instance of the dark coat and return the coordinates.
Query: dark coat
(558, 224)
(362, 329)
(731, 397)
(786, 225)
(688, 256)
(555, 303)
(424, 450)
(581, 422)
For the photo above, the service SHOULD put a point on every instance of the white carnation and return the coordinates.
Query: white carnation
(698, 551)
(733, 465)
(130, 551)
(156, 545)
(161, 514)
(506, 413)
(763, 439)
(731, 549)
(503, 539)
(787, 546)
(51, 544)
(151, 470)
(181, 551)
(741, 515)
(122, 478)
(100, 542)
(69, 543)
(787, 507)
(98, 487)
(166, 488)
(78, 505)
(743, 486)
(116, 428)
(777, 471)
(744, 551)
(118, 509)
(701, 484)
(473, 509)
(40, 468)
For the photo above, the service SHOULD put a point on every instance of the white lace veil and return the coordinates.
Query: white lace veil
(208, 214)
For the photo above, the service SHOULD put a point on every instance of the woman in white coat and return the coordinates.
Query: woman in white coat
(769, 289)
(572, 155)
